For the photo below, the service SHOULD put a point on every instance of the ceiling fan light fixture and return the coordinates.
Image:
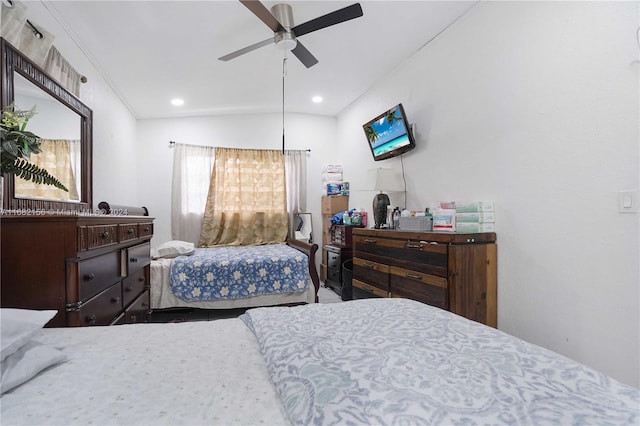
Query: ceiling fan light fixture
(285, 41)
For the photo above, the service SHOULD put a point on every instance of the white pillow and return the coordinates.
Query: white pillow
(17, 326)
(173, 249)
(27, 362)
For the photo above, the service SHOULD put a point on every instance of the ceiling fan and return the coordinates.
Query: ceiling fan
(285, 34)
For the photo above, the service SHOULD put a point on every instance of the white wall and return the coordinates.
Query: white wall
(533, 105)
(264, 131)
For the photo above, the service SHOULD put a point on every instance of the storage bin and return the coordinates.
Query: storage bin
(416, 223)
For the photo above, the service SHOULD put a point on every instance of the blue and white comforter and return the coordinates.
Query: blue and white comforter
(234, 272)
(396, 361)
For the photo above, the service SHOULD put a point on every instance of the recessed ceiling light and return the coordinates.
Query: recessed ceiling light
(316, 99)
(177, 102)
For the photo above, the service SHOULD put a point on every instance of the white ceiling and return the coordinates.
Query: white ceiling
(153, 51)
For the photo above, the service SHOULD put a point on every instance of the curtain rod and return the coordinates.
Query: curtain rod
(36, 33)
(172, 144)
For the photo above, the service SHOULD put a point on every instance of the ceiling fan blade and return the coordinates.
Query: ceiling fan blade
(263, 14)
(246, 49)
(333, 18)
(304, 55)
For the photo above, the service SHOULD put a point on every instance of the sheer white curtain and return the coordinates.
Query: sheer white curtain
(295, 164)
(192, 166)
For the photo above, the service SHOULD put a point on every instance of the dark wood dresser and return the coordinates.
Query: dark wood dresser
(453, 271)
(93, 269)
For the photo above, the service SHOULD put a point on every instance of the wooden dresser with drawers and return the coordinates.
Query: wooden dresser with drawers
(93, 269)
(453, 271)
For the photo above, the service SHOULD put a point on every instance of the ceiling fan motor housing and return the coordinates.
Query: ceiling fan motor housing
(284, 40)
(284, 15)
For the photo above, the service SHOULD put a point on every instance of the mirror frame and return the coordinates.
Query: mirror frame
(13, 61)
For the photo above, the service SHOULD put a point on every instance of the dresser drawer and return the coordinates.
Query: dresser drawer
(97, 236)
(421, 256)
(132, 286)
(138, 310)
(333, 259)
(127, 232)
(96, 274)
(373, 273)
(137, 257)
(415, 285)
(103, 308)
(370, 291)
(145, 230)
(333, 274)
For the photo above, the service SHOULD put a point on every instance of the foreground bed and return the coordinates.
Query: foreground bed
(374, 361)
(213, 286)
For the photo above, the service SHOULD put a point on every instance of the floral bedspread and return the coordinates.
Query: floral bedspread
(233, 272)
(396, 361)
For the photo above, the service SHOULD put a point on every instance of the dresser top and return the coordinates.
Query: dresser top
(89, 219)
(437, 236)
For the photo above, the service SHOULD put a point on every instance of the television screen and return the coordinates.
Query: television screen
(389, 134)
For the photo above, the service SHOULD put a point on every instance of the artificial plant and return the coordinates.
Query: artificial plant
(16, 146)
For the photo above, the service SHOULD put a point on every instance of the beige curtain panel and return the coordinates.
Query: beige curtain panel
(247, 202)
(62, 71)
(56, 158)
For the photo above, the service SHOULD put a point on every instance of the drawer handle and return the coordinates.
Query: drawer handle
(413, 246)
(146, 229)
(415, 277)
(104, 235)
(90, 277)
(130, 231)
(115, 300)
(91, 319)
(370, 241)
(368, 265)
(133, 259)
(128, 289)
(367, 288)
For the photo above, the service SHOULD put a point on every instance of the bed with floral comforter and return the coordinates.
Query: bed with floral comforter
(396, 361)
(234, 272)
(229, 277)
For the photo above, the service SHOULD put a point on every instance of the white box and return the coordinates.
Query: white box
(478, 217)
(472, 227)
(468, 207)
(444, 220)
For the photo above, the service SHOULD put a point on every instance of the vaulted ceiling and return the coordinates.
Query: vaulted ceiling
(153, 51)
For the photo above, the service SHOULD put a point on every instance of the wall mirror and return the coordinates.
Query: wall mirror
(64, 125)
(303, 227)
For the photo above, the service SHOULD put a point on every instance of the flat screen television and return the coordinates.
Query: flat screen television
(389, 134)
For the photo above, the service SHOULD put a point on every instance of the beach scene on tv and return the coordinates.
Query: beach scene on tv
(387, 133)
